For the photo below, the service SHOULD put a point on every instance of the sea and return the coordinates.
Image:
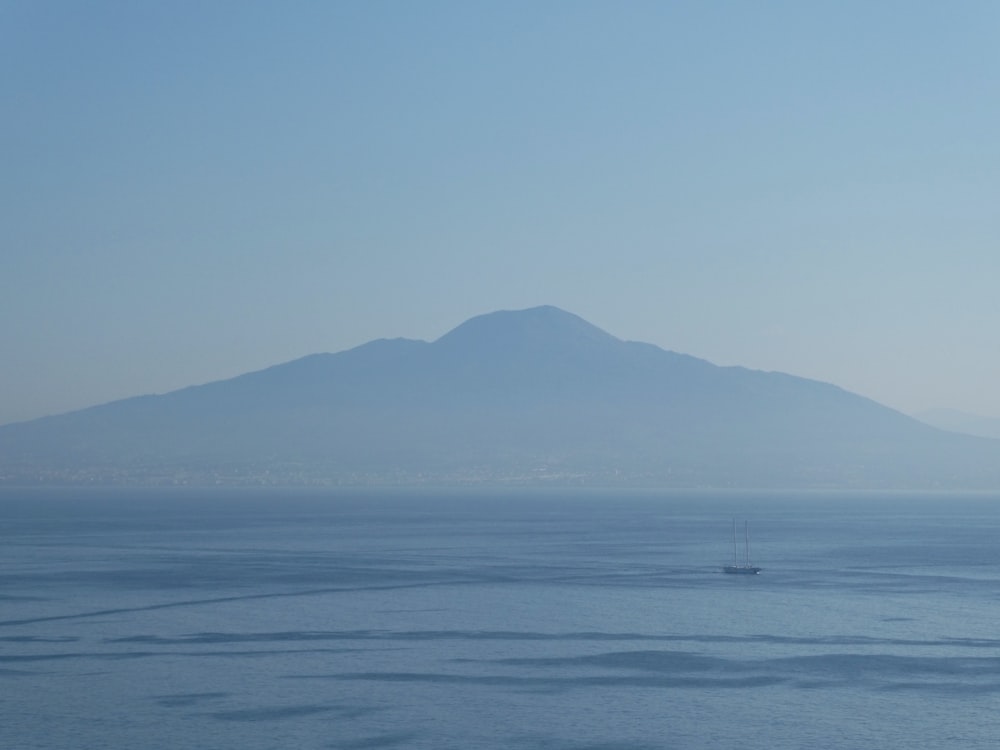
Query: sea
(521, 619)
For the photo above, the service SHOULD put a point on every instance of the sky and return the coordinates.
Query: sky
(192, 190)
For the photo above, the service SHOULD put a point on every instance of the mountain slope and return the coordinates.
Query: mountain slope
(509, 396)
(959, 421)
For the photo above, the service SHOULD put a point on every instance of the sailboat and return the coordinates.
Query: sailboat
(745, 568)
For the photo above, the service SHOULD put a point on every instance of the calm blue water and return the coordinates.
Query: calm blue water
(517, 620)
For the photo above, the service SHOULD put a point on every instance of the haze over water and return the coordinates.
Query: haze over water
(475, 619)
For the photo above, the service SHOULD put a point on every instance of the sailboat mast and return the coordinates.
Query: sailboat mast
(745, 566)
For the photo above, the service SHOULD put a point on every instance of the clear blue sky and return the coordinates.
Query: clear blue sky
(192, 190)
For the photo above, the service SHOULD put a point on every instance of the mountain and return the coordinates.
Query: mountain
(512, 396)
(960, 421)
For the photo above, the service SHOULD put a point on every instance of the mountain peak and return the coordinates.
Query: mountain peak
(532, 328)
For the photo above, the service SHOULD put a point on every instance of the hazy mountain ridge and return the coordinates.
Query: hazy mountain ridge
(954, 420)
(531, 395)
